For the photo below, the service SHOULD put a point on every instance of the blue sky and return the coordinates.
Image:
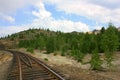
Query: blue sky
(63, 15)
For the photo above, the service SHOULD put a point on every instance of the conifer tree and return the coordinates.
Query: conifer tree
(95, 61)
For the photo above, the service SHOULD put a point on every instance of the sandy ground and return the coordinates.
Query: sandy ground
(72, 70)
(5, 61)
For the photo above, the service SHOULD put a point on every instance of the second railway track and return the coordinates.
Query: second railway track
(26, 67)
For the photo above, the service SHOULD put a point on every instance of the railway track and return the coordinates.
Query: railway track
(26, 67)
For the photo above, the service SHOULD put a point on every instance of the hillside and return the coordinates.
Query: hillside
(12, 40)
(73, 40)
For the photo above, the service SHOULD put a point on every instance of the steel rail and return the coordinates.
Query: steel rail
(49, 69)
(19, 67)
(26, 60)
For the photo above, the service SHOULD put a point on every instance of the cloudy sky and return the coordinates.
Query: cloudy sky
(63, 15)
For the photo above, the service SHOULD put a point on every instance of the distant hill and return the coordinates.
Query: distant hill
(12, 40)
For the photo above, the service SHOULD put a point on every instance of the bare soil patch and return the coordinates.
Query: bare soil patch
(5, 62)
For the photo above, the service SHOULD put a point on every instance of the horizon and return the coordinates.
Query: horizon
(59, 15)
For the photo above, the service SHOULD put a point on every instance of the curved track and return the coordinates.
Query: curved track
(26, 67)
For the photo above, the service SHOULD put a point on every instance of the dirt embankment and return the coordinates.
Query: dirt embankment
(5, 62)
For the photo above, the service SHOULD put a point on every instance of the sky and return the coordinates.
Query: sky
(57, 15)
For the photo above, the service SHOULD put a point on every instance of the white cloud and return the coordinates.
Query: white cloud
(7, 18)
(10, 29)
(111, 4)
(9, 7)
(62, 25)
(98, 10)
(42, 12)
(45, 19)
(101, 11)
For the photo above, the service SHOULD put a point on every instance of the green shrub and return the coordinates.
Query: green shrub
(78, 55)
(55, 53)
(30, 50)
(45, 59)
(95, 61)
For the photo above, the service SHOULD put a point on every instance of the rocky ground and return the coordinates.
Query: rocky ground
(5, 62)
(73, 70)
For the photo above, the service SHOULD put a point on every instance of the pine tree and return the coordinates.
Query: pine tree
(95, 61)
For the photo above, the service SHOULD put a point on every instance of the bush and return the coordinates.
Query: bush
(55, 53)
(30, 50)
(78, 55)
(45, 59)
